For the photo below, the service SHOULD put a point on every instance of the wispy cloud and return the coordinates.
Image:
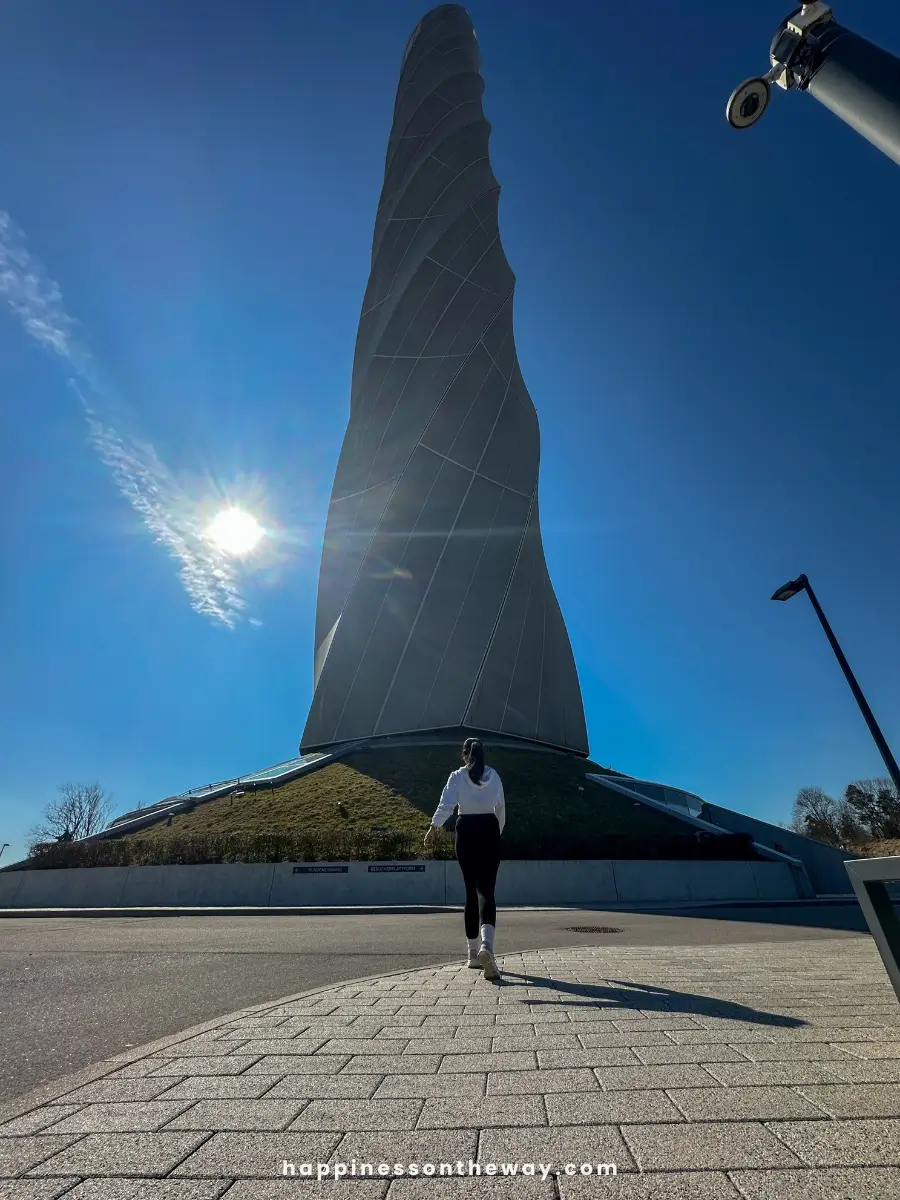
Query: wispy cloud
(173, 518)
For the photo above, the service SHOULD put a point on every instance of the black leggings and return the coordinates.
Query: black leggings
(478, 855)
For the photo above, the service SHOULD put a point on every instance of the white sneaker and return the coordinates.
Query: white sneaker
(473, 960)
(488, 963)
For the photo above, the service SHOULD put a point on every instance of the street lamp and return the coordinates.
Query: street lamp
(802, 584)
(858, 81)
(3, 847)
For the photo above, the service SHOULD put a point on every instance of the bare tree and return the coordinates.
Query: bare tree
(817, 815)
(81, 809)
(876, 805)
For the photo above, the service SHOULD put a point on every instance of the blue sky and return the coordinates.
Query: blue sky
(707, 322)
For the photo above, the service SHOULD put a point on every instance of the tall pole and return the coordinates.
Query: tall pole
(860, 83)
(889, 761)
(856, 80)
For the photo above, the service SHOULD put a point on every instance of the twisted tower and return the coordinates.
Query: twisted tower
(435, 609)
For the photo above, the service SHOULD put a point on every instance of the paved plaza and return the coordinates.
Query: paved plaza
(763, 1071)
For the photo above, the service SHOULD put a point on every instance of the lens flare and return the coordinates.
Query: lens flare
(235, 531)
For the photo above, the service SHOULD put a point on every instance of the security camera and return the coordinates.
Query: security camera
(747, 103)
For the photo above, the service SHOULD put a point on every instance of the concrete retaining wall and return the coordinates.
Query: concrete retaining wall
(824, 864)
(290, 885)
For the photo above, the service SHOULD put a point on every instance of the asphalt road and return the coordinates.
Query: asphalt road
(74, 991)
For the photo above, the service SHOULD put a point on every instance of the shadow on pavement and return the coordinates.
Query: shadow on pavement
(649, 999)
(843, 915)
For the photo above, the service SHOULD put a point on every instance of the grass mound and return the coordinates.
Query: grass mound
(395, 790)
(376, 804)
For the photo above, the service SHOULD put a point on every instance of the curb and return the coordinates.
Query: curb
(422, 909)
(320, 911)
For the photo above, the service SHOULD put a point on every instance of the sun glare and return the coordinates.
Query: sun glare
(235, 531)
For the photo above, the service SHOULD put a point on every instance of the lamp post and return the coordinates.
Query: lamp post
(858, 81)
(3, 847)
(802, 584)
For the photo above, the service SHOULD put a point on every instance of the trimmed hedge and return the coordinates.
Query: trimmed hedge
(361, 846)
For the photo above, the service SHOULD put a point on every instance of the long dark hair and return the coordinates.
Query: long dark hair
(473, 757)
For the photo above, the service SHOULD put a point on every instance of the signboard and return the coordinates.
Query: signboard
(405, 867)
(317, 870)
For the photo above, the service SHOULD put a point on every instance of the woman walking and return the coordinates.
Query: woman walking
(476, 790)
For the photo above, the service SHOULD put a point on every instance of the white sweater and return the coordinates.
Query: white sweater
(460, 792)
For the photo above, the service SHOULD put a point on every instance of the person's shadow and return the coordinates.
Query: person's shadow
(642, 996)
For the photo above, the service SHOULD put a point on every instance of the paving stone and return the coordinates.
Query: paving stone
(657, 1055)
(861, 1183)
(144, 1068)
(222, 1115)
(106, 1091)
(230, 1064)
(602, 1056)
(424, 1086)
(448, 1045)
(354, 1030)
(346, 1115)
(667, 1075)
(854, 1100)
(864, 1143)
(662, 1185)
(140, 1154)
(558, 1145)
(873, 1070)
(511, 1060)
(34, 1189)
(742, 1103)
(19, 1154)
(255, 1155)
(299, 1064)
(148, 1189)
(406, 1148)
(823, 1033)
(345, 1045)
(259, 1026)
(598, 1012)
(305, 1189)
(124, 1116)
(38, 1119)
(871, 1049)
(748, 1074)
(518, 1083)
(538, 1041)
(792, 1052)
(473, 1188)
(416, 1030)
(614, 1037)
(709, 1146)
(505, 1020)
(428, 1010)
(608, 1108)
(297, 1045)
(332, 1026)
(204, 1046)
(326, 1087)
(388, 1064)
(468, 1113)
(657, 1024)
(221, 1087)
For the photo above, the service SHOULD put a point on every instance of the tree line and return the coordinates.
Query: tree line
(868, 811)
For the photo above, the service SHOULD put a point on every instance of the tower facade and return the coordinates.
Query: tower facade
(435, 609)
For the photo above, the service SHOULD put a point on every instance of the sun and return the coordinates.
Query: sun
(235, 531)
